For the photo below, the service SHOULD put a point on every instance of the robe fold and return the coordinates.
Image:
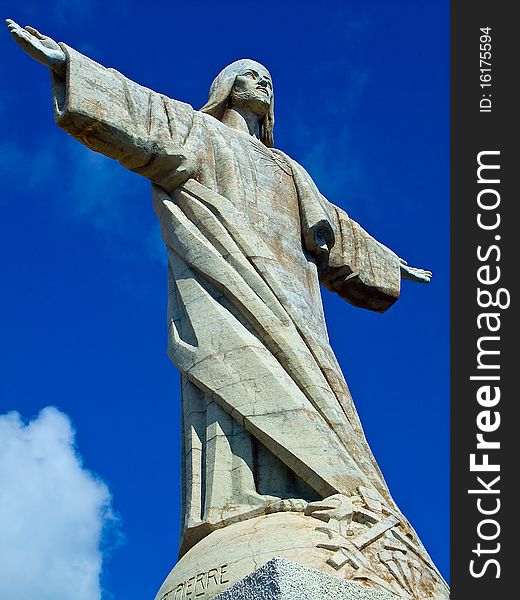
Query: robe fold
(267, 413)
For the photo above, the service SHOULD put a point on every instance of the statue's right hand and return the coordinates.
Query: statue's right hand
(38, 46)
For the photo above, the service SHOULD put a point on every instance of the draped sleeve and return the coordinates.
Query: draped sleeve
(350, 261)
(146, 132)
(359, 268)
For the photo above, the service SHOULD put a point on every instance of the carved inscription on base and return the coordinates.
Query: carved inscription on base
(199, 585)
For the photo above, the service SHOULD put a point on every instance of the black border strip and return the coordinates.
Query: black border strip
(472, 132)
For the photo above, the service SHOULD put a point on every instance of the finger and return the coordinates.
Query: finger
(20, 34)
(35, 32)
(12, 26)
(23, 39)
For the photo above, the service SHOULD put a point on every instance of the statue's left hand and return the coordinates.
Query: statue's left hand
(38, 46)
(415, 274)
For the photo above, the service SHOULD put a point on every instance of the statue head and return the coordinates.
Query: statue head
(244, 84)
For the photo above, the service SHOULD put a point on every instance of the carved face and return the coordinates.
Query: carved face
(253, 90)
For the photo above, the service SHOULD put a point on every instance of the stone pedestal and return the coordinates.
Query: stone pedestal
(282, 579)
(351, 559)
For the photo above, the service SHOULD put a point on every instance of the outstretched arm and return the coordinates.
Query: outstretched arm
(38, 46)
(146, 132)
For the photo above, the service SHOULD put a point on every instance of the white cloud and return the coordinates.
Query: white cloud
(53, 512)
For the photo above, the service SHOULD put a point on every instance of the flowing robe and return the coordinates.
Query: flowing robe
(266, 412)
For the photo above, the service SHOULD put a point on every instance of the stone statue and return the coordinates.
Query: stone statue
(275, 460)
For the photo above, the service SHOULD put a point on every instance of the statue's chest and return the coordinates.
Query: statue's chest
(272, 205)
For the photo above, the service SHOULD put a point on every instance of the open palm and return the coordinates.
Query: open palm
(38, 46)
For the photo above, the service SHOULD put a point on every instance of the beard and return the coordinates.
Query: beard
(252, 100)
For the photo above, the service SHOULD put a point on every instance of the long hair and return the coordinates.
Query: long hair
(220, 91)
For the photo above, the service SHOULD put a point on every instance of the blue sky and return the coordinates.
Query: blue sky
(362, 101)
